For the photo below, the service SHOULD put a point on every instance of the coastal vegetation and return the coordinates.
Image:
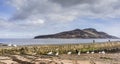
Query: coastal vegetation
(108, 47)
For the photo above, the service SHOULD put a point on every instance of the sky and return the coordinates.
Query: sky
(29, 18)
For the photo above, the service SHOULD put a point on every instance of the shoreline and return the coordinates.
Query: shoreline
(38, 54)
(22, 42)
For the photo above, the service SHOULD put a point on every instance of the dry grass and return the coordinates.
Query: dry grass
(62, 49)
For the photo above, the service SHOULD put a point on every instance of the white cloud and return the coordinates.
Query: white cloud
(38, 21)
(65, 10)
(5, 24)
(36, 15)
(33, 22)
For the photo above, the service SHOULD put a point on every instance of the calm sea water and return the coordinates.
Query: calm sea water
(51, 41)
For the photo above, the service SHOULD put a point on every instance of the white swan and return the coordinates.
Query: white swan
(100, 52)
(103, 52)
(14, 45)
(79, 53)
(87, 52)
(49, 53)
(92, 52)
(69, 53)
(57, 53)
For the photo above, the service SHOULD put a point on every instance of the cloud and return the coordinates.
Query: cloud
(65, 10)
(57, 15)
(20, 26)
(73, 2)
(31, 22)
(5, 24)
(110, 26)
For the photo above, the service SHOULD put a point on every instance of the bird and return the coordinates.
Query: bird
(14, 45)
(50, 53)
(92, 52)
(103, 52)
(57, 53)
(79, 53)
(9, 44)
(87, 52)
(69, 53)
(99, 52)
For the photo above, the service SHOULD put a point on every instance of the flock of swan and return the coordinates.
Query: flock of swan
(69, 53)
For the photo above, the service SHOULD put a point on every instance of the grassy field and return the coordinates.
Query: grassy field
(109, 47)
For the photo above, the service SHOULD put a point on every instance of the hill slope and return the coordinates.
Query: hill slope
(78, 33)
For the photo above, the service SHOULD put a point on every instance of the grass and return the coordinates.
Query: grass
(106, 58)
(62, 49)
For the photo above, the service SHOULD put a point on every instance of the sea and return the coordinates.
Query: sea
(52, 41)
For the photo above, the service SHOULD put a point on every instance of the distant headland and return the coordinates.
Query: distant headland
(78, 33)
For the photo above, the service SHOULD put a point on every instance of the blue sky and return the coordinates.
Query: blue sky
(6, 10)
(28, 18)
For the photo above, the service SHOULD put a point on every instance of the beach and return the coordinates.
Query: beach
(90, 53)
(113, 58)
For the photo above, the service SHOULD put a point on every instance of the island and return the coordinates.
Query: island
(78, 33)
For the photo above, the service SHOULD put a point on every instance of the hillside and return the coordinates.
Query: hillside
(78, 33)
